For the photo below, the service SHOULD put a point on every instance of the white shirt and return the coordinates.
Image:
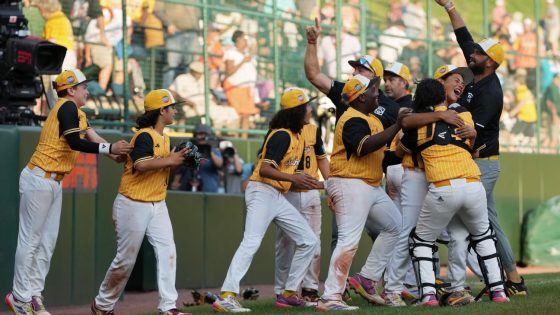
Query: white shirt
(246, 75)
(350, 48)
(392, 47)
(189, 88)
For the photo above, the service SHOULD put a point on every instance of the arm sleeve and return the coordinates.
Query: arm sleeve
(319, 147)
(276, 148)
(409, 140)
(143, 148)
(159, 12)
(69, 127)
(466, 41)
(354, 134)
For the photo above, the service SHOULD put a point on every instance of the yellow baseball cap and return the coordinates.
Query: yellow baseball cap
(294, 97)
(157, 99)
(68, 79)
(493, 49)
(465, 72)
(372, 64)
(355, 87)
(399, 69)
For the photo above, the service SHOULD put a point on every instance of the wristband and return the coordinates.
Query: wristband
(105, 148)
(449, 6)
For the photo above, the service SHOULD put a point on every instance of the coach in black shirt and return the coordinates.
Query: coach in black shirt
(484, 99)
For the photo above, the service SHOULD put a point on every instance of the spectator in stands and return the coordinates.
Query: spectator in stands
(414, 18)
(80, 13)
(498, 14)
(391, 47)
(552, 25)
(182, 44)
(552, 104)
(525, 111)
(241, 77)
(233, 168)
(57, 30)
(526, 47)
(207, 177)
(190, 87)
(516, 26)
(35, 21)
(349, 49)
(394, 14)
(96, 52)
(351, 16)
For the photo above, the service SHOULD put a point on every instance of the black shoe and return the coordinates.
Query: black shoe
(516, 288)
(310, 295)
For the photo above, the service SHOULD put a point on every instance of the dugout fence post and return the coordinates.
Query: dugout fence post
(538, 96)
(125, 64)
(205, 21)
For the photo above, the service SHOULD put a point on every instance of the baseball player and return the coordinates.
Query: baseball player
(354, 186)
(307, 202)
(140, 209)
(454, 189)
(386, 110)
(484, 99)
(66, 132)
(415, 187)
(273, 176)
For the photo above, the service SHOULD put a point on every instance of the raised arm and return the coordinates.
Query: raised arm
(454, 16)
(311, 62)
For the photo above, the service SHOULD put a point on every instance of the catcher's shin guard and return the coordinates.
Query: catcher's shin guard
(484, 245)
(424, 260)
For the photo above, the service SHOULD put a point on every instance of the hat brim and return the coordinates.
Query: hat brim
(355, 64)
(67, 86)
(465, 72)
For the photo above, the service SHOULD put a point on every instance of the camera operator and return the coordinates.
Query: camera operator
(207, 177)
(233, 168)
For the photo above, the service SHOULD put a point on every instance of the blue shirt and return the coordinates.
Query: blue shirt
(209, 173)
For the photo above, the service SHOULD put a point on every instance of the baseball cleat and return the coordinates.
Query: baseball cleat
(334, 305)
(516, 288)
(499, 296)
(38, 306)
(228, 305)
(290, 301)
(366, 288)
(18, 307)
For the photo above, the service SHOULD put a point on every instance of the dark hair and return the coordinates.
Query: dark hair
(292, 119)
(429, 92)
(236, 35)
(149, 118)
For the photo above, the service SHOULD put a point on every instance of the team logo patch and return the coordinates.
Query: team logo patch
(454, 105)
(300, 98)
(70, 79)
(357, 87)
(165, 99)
(379, 111)
(442, 70)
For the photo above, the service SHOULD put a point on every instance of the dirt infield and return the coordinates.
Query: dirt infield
(145, 302)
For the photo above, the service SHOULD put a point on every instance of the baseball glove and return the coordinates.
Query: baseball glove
(192, 159)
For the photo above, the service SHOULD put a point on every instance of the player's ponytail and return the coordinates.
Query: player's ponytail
(148, 119)
(293, 119)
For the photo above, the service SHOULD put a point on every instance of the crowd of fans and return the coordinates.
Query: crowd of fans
(241, 58)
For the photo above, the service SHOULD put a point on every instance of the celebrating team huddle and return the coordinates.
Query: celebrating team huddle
(437, 150)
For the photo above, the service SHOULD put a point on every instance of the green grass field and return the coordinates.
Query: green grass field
(544, 294)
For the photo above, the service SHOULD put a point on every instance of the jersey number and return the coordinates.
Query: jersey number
(307, 162)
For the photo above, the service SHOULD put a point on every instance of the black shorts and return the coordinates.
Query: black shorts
(523, 127)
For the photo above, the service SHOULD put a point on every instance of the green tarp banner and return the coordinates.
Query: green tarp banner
(541, 242)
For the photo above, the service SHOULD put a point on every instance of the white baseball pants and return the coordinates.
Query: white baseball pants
(468, 202)
(39, 219)
(394, 183)
(414, 188)
(133, 220)
(266, 204)
(354, 202)
(308, 203)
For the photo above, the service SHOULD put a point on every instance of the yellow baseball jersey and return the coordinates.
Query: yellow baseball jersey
(313, 150)
(445, 155)
(412, 161)
(148, 186)
(53, 154)
(283, 149)
(352, 130)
